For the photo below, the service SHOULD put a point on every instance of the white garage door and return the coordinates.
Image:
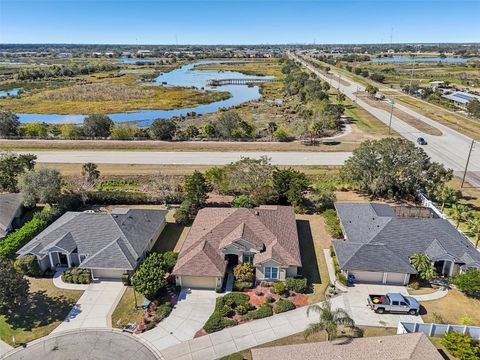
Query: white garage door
(395, 278)
(107, 273)
(200, 282)
(368, 277)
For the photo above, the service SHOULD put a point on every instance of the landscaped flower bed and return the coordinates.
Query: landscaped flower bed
(263, 301)
(158, 309)
(77, 276)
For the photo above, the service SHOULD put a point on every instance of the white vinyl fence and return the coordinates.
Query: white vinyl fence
(438, 330)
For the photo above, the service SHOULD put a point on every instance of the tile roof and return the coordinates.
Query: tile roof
(109, 241)
(271, 230)
(9, 205)
(414, 346)
(379, 240)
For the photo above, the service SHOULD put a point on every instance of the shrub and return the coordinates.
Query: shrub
(218, 290)
(332, 223)
(244, 272)
(279, 288)
(243, 309)
(27, 265)
(236, 299)
(260, 313)
(242, 201)
(216, 323)
(150, 325)
(125, 279)
(150, 276)
(283, 305)
(467, 321)
(415, 285)
(269, 299)
(170, 259)
(258, 292)
(468, 282)
(264, 283)
(461, 346)
(298, 285)
(15, 240)
(77, 276)
(163, 311)
(332, 251)
(226, 310)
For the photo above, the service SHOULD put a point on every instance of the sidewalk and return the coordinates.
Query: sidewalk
(4, 348)
(241, 337)
(440, 293)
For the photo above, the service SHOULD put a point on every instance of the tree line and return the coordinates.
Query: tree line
(70, 70)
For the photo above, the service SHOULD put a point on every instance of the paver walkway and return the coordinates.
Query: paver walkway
(95, 306)
(192, 310)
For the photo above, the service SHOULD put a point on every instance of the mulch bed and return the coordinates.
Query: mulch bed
(257, 300)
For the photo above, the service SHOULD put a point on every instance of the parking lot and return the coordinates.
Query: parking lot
(355, 303)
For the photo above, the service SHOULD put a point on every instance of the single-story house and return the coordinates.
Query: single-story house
(219, 238)
(379, 240)
(414, 346)
(11, 207)
(461, 98)
(109, 244)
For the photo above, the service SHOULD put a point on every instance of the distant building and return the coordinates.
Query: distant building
(436, 84)
(461, 98)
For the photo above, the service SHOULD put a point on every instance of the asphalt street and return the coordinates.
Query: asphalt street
(186, 158)
(451, 148)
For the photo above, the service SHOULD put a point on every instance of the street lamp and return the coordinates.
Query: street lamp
(391, 115)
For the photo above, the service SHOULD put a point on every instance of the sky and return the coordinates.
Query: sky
(238, 22)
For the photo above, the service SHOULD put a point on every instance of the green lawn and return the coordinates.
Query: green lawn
(125, 311)
(47, 308)
(172, 237)
(313, 239)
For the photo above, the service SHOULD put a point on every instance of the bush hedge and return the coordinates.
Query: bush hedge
(461, 346)
(132, 198)
(15, 240)
(280, 288)
(226, 306)
(27, 265)
(283, 305)
(260, 313)
(77, 276)
(332, 223)
(217, 322)
(163, 311)
(298, 285)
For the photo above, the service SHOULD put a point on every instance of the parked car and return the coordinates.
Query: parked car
(421, 141)
(393, 302)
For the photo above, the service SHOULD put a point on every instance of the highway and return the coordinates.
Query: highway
(451, 148)
(186, 157)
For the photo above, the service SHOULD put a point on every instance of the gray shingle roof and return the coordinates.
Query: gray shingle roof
(115, 240)
(378, 240)
(9, 205)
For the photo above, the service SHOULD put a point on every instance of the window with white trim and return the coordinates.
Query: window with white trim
(271, 272)
(248, 258)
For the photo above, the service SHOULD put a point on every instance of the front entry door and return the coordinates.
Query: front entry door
(63, 259)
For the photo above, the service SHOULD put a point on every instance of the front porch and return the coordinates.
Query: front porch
(61, 259)
(446, 267)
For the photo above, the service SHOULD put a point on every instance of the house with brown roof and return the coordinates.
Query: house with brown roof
(415, 346)
(221, 238)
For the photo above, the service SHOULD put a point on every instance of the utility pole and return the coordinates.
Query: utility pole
(391, 115)
(411, 79)
(356, 94)
(466, 165)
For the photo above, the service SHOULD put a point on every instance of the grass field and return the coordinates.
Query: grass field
(254, 68)
(131, 145)
(47, 308)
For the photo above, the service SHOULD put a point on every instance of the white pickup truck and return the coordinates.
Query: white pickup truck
(393, 302)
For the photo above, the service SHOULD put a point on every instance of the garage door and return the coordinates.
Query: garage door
(395, 278)
(201, 282)
(368, 277)
(107, 273)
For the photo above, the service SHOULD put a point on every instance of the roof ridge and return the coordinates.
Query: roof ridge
(101, 250)
(122, 232)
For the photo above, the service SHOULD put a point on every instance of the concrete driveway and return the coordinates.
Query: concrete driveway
(95, 306)
(355, 303)
(192, 310)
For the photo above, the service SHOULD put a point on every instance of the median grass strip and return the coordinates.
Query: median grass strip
(409, 119)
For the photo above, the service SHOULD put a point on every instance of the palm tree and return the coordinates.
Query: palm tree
(90, 172)
(341, 97)
(459, 213)
(473, 224)
(329, 320)
(423, 265)
(446, 195)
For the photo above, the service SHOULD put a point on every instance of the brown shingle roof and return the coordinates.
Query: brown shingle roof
(271, 229)
(415, 346)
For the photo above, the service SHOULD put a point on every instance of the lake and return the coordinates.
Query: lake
(419, 59)
(183, 76)
(12, 92)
